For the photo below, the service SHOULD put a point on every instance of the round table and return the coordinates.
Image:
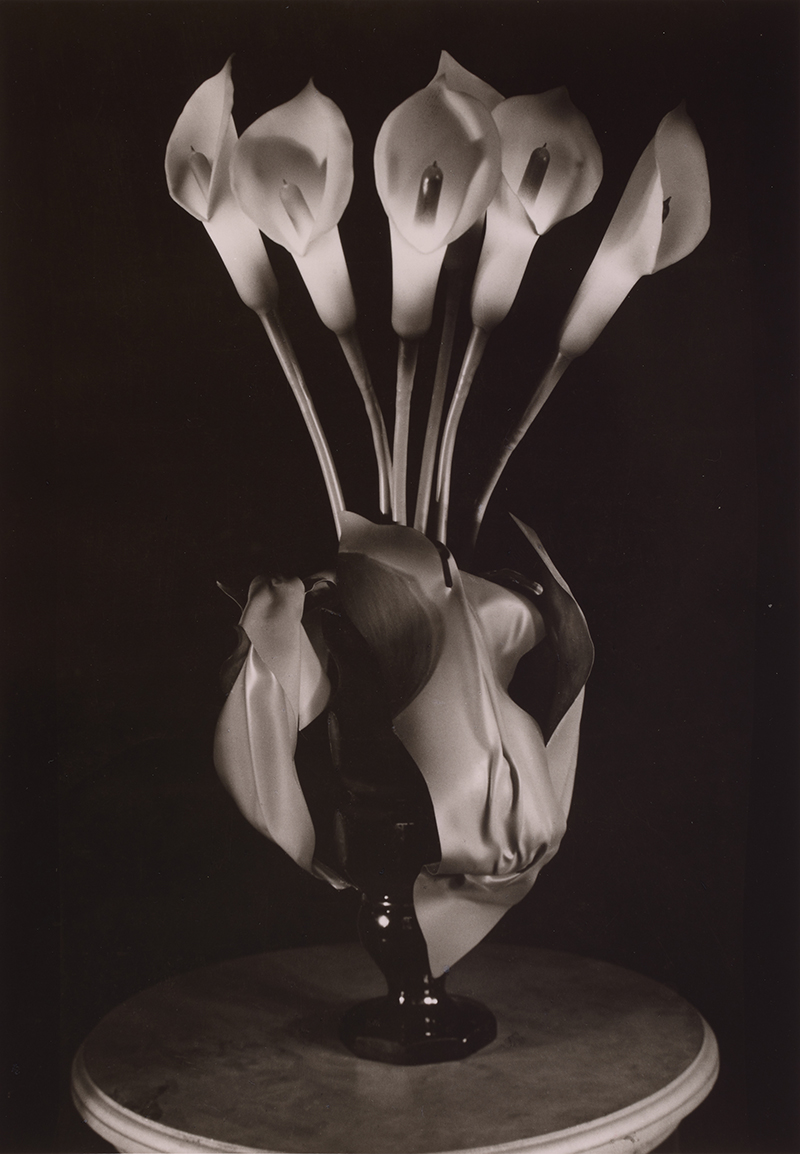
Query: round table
(245, 1056)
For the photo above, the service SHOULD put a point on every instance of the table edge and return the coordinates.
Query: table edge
(643, 1124)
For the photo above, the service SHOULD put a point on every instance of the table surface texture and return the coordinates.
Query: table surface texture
(245, 1055)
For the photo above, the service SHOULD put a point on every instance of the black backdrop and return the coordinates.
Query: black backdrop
(154, 448)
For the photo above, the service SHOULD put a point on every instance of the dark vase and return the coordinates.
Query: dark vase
(417, 1021)
(385, 834)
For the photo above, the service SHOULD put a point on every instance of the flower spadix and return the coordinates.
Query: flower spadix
(293, 174)
(663, 215)
(551, 169)
(437, 166)
(197, 165)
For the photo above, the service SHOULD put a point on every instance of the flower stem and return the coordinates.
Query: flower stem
(351, 347)
(293, 373)
(406, 367)
(550, 378)
(455, 287)
(469, 366)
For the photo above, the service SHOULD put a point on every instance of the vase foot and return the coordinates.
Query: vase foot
(415, 1034)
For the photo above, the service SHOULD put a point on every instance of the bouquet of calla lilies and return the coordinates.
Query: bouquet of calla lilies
(469, 181)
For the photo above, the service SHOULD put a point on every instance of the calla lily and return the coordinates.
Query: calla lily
(198, 177)
(663, 215)
(552, 168)
(499, 782)
(437, 166)
(198, 165)
(292, 175)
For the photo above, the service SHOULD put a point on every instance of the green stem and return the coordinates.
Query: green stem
(455, 287)
(469, 366)
(406, 367)
(293, 373)
(550, 378)
(351, 347)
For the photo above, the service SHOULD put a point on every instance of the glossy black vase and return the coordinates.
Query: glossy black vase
(385, 834)
(416, 1022)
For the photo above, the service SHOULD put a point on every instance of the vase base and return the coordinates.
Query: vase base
(416, 1035)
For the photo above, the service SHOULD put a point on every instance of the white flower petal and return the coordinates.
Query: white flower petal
(681, 160)
(449, 131)
(281, 687)
(507, 246)
(627, 252)
(197, 165)
(415, 275)
(663, 215)
(201, 130)
(458, 79)
(293, 170)
(575, 166)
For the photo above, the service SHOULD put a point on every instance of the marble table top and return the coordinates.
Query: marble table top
(245, 1056)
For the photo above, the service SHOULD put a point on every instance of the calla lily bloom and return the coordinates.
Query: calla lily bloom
(198, 177)
(500, 782)
(293, 174)
(198, 164)
(437, 166)
(663, 215)
(552, 168)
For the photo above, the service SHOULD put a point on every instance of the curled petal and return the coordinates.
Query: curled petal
(681, 160)
(197, 150)
(500, 793)
(444, 142)
(574, 166)
(663, 215)
(293, 170)
(280, 688)
(197, 165)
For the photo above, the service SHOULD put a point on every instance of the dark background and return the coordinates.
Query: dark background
(151, 447)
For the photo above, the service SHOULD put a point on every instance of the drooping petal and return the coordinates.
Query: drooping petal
(293, 170)
(197, 165)
(669, 181)
(500, 809)
(280, 688)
